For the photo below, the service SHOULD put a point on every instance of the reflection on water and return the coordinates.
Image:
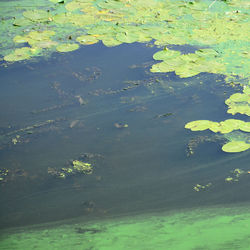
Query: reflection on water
(102, 106)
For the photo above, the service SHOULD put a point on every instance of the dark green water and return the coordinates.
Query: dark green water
(141, 168)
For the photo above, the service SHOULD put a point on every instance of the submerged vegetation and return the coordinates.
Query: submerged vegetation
(75, 167)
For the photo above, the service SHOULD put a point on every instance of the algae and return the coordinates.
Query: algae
(74, 168)
(200, 228)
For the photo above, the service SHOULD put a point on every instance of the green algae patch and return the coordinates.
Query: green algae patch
(76, 167)
(66, 47)
(235, 146)
(207, 228)
(82, 167)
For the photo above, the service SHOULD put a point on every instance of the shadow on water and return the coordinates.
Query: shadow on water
(104, 104)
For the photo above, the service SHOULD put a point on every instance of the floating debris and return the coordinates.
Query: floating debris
(199, 187)
(81, 100)
(52, 108)
(138, 109)
(73, 123)
(3, 174)
(81, 230)
(120, 125)
(235, 175)
(16, 139)
(163, 115)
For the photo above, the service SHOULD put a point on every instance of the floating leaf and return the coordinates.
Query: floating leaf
(66, 47)
(36, 15)
(199, 125)
(21, 54)
(74, 5)
(239, 102)
(110, 41)
(166, 54)
(127, 37)
(223, 127)
(22, 22)
(86, 39)
(235, 146)
(37, 39)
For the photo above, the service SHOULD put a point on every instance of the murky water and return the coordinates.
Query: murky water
(103, 104)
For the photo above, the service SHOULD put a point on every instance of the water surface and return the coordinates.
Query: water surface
(105, 104)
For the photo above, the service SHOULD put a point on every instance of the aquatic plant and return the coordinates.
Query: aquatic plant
(237, 103)
(220, 28)
(218, 32)
(75, 167)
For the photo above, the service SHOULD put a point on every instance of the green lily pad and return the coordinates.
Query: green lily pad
(111, 4)
(37, 39)
(235, 146)
(21, 54)
(239, 102)
(74, 5)
(199, 125)
(66, 47)
(238, 97)
(36, 15)
(22, 22)
(110, 41)
(223, 127)
(86, 39)
(166, 54)
(127, 37)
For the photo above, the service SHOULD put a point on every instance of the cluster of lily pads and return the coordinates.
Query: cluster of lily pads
(52, 25)
(237, 103)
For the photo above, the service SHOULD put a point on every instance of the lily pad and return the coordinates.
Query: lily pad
(223, 127)
(21, 54)
(166, 54)
(127, 37)
(37, 15)
(239, 102)
(86, 39)
(66, 47)
(110, 41)
(235, 146)
(199, 125)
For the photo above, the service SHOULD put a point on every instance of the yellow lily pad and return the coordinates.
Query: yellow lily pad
(199, 125)
(235, 146)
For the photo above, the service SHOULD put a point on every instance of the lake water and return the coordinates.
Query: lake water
(104, 106)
